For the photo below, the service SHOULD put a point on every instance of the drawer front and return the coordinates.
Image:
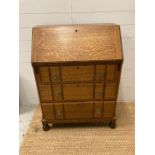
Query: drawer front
(48, 74)
(111, 72)
(77, 73)
(99, 91)
(78, 110)
(55, 74)
(108, 72)
(44, 77)
(110, 91)
(45, 93)
(48, 111)
(100, 72)
(59, 112)
(78, 91)
(98, 110)
(109, 109)
(57, 94)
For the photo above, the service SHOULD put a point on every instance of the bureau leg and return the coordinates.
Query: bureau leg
(46, 127)
(112, 124)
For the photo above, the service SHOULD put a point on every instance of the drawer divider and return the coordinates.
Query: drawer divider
(52, 92)
(62, 91)
(94, 81)
(104, 81)
(94, 89)
(51, 84)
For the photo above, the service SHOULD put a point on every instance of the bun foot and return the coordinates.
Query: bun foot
(46, 127)
(112, 125)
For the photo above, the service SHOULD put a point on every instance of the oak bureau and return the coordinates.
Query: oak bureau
(77, 70)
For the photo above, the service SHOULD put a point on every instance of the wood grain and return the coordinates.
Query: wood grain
(110, 91)
(109, 108)
(44, 75)
(48, 111)
(99, 91)
(76, 43)
(57, 94)
(100, 72)
(79, 110)
(55, 75)
(45, 93)
(98, 110)
(59, 112)
(111, 69)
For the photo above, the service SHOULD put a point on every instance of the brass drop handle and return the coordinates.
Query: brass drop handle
(99, 94)
(58, 113)
(98, 111)
(55, 77)
(100, 75)
(57, 94)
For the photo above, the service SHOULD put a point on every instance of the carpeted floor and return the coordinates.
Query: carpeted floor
(88, 139)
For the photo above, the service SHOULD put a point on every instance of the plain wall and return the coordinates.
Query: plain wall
(45, 12)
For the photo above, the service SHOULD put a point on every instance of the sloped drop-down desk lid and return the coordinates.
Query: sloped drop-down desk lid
(76, 43)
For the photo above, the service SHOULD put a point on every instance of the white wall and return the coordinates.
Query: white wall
(42, 12)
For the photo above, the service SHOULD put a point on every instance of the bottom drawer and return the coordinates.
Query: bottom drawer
(48, 111)
(104, 109)
(79, 110)
(52, 111)
(109, 109)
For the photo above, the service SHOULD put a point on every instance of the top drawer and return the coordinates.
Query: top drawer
(48, 74)
(108, 72)
(81, 73)
(67, 73)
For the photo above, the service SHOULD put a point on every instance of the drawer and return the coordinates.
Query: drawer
(57, 94)
(99, 90)
(111, 70)
(98, 110)
(59, 112)
(100, 72)
(78, 91)
(110, 91)
(78, 73)
(44, 77)
(45, 93)
(109, 109)
(48, 111)
(55, 74)
(78, 110)
(48, 74)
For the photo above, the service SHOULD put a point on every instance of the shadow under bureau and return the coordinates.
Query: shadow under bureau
(77, 70)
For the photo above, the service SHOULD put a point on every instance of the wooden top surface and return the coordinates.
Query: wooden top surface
(74, 43)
